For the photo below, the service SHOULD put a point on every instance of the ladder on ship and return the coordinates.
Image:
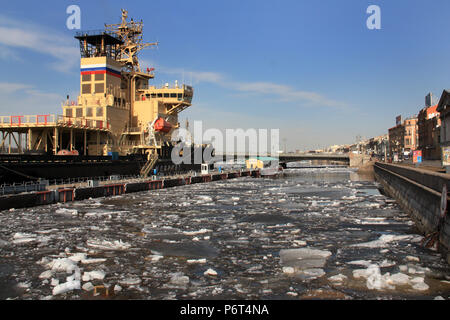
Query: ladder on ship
(151, 162)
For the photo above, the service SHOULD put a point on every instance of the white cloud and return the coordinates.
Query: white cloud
(25, 99)
(24, 35)
(289, 94)
(6, 87)
(196, 76)
(7, 54)
(281, 92)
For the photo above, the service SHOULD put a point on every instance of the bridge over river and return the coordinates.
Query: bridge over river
(293, 157)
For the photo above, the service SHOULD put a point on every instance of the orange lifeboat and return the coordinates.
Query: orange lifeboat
(162, 125)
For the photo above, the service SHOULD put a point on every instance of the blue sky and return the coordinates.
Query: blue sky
(310, 68)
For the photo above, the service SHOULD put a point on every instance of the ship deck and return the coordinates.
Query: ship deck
(25, 122)
(34, 133)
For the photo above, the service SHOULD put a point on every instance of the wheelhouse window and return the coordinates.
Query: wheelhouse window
(86, 88)
(99, 112)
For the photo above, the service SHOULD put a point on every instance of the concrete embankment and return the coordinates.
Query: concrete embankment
(67, 194)
(419, 193)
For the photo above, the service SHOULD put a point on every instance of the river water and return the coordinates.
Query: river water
(316, 233)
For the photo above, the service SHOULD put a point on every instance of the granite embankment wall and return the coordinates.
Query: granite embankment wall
(69, 194)
(418, 192)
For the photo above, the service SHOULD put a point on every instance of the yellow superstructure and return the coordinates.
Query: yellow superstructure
(117, 109)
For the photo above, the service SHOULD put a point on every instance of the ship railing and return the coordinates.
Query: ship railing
(83, 122)
(146, 86)
(96, 33)
(28, 186)
(46, 120)
(80, 181)
(25, 120)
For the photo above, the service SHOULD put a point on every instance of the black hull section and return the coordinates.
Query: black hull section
(21, 168)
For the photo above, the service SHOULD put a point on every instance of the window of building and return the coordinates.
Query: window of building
(99, 112)
(79, 112)
(99, 88)
(166, 95)
(99, 77)
(159, 95)
(180, 96)
(86, 88)
(69, 112)
(173, 95)
(88, 112)
(153, 95)
(86, 77)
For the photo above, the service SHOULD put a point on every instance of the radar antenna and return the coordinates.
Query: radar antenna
(131, 35)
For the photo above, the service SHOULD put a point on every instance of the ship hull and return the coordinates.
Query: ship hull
(21, 168)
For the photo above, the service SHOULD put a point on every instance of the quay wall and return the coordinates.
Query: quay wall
(418, 192)
(68, 194)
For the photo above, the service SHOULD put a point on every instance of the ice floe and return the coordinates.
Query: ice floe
(117, 288)
(88, 286)
(93, 260)
(65, 211)
(21, 238)
(304, 262)
(338, 278)
(385, 239)
(377, 281)
(193, 261)
(93, 275)
(62, 265)
(46, 274)
(179, 279)
(108, 245)
(304, 257)
(66, 287)
(194, 233)
(130, 281)
(155, 257)
(210, 272)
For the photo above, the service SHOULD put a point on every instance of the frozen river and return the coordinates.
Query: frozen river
(315, 233)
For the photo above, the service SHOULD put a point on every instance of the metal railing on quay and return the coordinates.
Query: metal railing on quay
(42, 185)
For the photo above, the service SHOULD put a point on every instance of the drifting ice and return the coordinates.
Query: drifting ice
(66, 287)
(108, 245)
(304, 258)
(93, 275)
(210, 272)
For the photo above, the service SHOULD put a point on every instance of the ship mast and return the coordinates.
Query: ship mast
(131, 35)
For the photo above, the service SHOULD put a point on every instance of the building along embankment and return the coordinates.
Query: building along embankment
(65, 194)
(418, 192)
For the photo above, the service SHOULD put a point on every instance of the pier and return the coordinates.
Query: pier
(94, 189)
